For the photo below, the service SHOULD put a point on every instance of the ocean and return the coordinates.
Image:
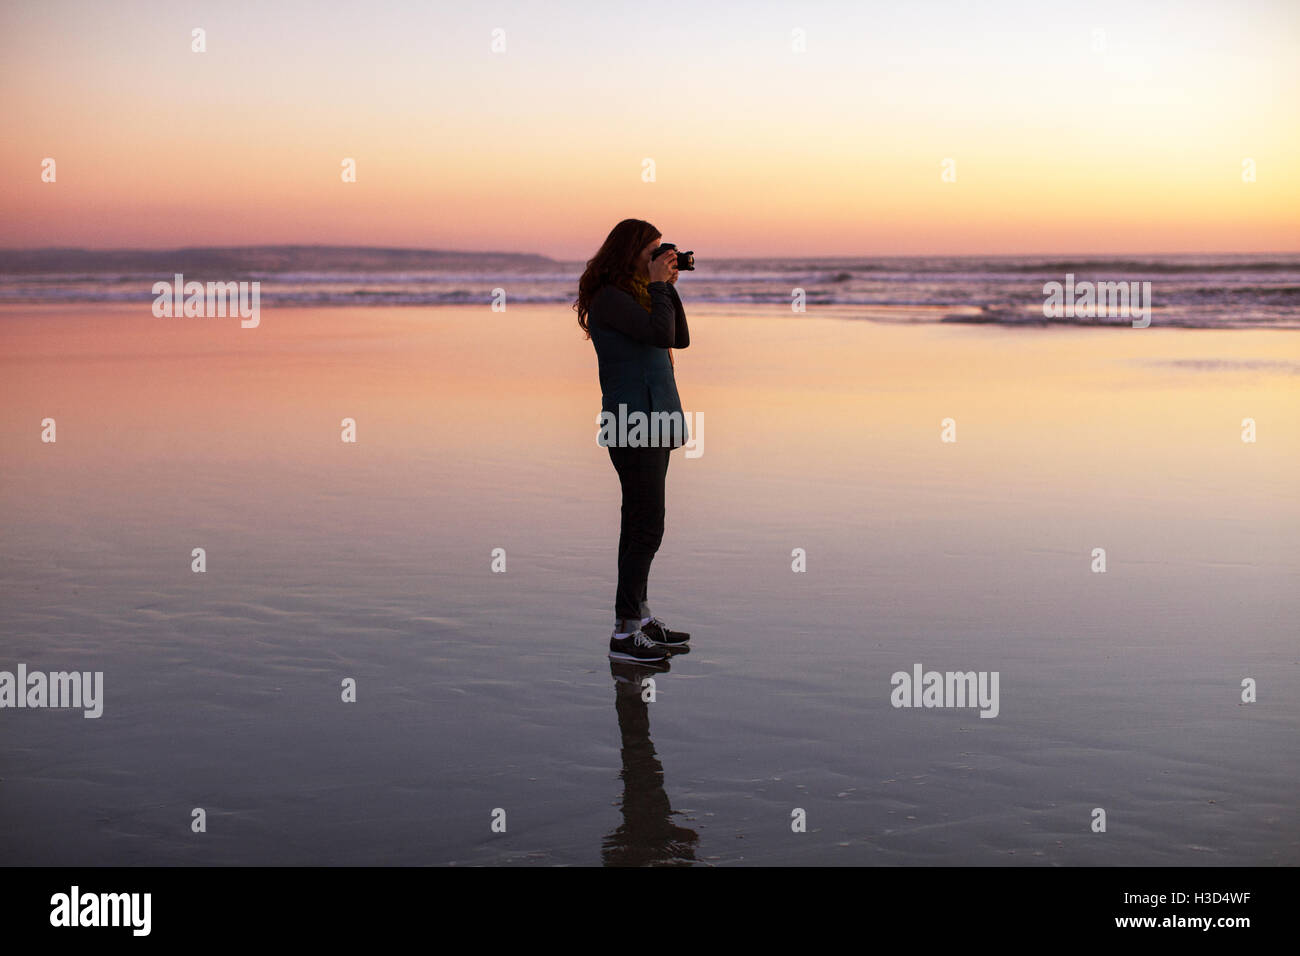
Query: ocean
(1187, 291)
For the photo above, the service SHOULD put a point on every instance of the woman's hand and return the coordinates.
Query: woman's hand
(664, 269)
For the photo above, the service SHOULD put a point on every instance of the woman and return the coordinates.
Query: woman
(629, 308)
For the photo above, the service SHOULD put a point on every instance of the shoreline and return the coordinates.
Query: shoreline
(850, 314)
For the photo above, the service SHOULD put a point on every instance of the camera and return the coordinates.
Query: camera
(685, 260)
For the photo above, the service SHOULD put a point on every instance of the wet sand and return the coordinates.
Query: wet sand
(478, 691)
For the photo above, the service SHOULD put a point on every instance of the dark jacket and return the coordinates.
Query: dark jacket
(632, 352)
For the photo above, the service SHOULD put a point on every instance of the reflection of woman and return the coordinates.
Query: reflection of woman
(630, 310)
(648, 835)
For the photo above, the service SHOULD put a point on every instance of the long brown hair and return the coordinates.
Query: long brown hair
(613, 264)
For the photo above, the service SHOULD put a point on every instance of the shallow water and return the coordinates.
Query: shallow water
(478, 691)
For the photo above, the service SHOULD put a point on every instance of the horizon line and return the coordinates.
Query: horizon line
(505, 252)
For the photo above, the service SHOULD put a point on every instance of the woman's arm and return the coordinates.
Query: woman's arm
(617, 309)
(681, 334)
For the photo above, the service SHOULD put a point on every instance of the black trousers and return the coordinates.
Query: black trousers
(642, 472)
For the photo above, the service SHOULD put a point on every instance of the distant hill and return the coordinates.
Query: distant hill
(231, 260)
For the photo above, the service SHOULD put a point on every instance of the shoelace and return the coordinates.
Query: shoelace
(642, 641)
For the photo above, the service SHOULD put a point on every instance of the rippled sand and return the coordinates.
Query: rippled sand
(478, 691)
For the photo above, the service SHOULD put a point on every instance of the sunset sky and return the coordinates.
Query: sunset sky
(759, 150)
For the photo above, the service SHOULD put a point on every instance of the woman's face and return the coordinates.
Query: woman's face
(643, 260)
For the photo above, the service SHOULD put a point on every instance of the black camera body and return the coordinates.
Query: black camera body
(685, 260)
